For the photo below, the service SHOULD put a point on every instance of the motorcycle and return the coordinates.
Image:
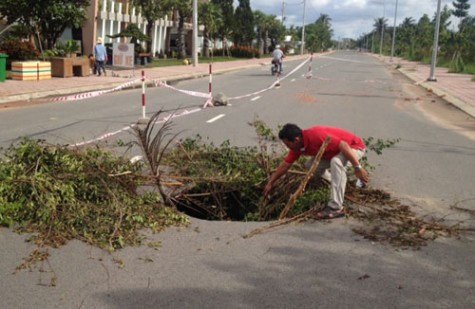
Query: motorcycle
(275, 67)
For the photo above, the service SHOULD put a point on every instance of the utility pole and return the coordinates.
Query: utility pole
(372, 42)
(303, 28)
(394, 33)
(194, 48)
(283, 6)
(382, 29)
(436, 47)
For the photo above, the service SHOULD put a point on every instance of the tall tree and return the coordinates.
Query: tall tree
(445, 35)
(469, 43)
(319, 34)
(225, 29)
(152, 10)
(185, 10)
(45, 19)
(244, 24)
(461, 8)
(268, 28)
(211, 18)
(380, 28)
(406, 37)
(459, 39)
(425, 35)
(276, 30)
(261, 30)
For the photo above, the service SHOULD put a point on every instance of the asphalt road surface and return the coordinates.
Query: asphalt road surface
(309, 265)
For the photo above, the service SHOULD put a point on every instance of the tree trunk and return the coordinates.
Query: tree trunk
(148, 44)
(181, 38)
(205, 43)
(266, 47)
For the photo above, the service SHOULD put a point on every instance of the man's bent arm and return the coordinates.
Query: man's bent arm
(281, 170)
(350, 155)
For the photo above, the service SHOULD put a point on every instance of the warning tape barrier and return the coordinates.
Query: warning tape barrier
(273, 84)
(158, 83)
(110, 134)
(189, 92)
(87, 95)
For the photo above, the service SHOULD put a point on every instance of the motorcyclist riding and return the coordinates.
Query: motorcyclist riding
(277, 57)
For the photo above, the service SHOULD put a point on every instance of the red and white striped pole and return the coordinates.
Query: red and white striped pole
(143, 94)
(209, 102)
(210, 80)
(309, 73)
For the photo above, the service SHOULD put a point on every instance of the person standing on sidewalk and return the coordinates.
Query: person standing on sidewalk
(100, 54)
(344, 149)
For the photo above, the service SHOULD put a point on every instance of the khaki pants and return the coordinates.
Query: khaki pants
(334, 171)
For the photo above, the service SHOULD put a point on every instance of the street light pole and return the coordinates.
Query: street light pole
(382, 29)
(394, 33)
(194, 48)
(436, 47)
(372, 42)
(303, 28)
(283, 6)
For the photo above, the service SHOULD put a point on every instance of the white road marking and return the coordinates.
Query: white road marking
(215, 118)
(292, 80)
(256, 98)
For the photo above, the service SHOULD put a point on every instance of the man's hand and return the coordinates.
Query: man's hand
(362, 175)
(268, 188)
(281, 170)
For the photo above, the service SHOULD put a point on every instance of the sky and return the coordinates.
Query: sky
(351, 18)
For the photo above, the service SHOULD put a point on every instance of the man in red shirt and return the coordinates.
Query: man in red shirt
(344, 149)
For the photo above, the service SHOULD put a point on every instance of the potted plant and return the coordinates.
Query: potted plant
(71, 48)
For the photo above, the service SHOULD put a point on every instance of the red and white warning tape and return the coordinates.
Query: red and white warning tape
(86, 95)
(158, 83)
(189, 92)
(273, 84)
(110, 134)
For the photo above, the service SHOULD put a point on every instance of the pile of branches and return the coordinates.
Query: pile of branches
(388, 220)
(227, 183)
(61, 193)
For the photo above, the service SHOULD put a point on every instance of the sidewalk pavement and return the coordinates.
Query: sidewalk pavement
(14, 90)
(457, 89)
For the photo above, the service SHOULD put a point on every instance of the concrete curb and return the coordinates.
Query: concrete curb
(444, 95)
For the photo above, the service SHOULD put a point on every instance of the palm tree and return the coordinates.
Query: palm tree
(319, 34)
(184, 9)
(211, 18)
(406, 37)
(276, 30)
(380, 24)
(259, 21)
(424, 34)
(151, 10)
(225, 29)
(265, 27)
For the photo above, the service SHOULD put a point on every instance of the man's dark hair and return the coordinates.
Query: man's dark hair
(289, 132)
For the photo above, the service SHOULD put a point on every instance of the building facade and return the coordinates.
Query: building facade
(109, 17)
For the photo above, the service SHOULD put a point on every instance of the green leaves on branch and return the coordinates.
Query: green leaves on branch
(89, 194)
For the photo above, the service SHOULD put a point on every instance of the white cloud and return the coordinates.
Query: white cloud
(351, 18)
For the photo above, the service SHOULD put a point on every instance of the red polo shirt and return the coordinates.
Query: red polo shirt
(314, 137)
